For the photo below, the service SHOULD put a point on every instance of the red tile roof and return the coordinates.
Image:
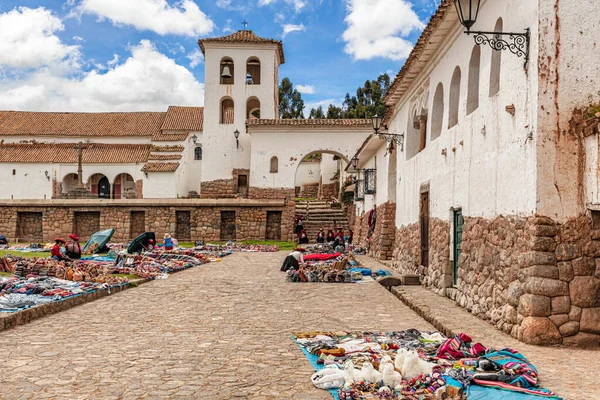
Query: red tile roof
(243, 37)
(164, 157)
(310, 122)
(167, 149)
(429, 33)
(183, 118)
(169, 137)
(160, 167)
(21, 123)
(96, 153)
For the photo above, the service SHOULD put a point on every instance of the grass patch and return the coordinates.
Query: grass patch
(128, 276)
(42, 254)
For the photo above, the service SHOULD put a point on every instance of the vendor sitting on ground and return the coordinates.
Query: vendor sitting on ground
(73, 248)
(321, 236)
(294, 260)
(56, 251)
(168, 242)
(3, 241)
(303, 237)
(330, 236)
(151, 244)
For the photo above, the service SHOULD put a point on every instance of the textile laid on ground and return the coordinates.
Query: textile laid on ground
(329, 268)
(238, 247)
(416, 365)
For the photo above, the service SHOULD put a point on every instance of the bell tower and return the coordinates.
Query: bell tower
(241, 82)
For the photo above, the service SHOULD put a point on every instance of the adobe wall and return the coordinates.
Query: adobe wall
(533, 278)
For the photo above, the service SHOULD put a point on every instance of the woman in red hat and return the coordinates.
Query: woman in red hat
(56, 253)
(73, 248)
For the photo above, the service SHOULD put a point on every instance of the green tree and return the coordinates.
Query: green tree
(291, 104)
(367, 102)
(317, 113)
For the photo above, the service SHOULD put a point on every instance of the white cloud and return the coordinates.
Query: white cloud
(289, 28)
(147, 80)
(297, 4)
(78, 39)
(227, 28)
(378, 28)
(29, 39)
(306, 89)
(181, 18)
(196, 58)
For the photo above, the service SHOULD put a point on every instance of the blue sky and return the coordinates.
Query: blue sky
(121, 55)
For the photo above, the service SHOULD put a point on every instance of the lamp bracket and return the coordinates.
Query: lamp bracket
(516, 43)
(397, 138)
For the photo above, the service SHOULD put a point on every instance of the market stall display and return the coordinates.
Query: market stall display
(416, 365)
(97, 242)
(328, 267)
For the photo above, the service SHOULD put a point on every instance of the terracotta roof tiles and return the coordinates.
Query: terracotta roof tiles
(167, 149)
(164, 157)
(96, 153)
(310, 122)
(22, 123)
(243, 36)
(160, 167)
(184, 118)
(169, 137)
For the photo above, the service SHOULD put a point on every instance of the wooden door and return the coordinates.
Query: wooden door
(424, 228)
(243, 185)
(459, 221)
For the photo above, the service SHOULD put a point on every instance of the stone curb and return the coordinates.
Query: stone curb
(11, 320)
(423, 310)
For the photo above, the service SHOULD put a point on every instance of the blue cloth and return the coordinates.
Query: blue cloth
(383, 272)
(168, 242)
(476, 392)
(312, 359)
(363, 271)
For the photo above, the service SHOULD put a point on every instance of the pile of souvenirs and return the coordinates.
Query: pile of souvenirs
(328, 267)
(416, 365)
(231, 247)
(156, 265)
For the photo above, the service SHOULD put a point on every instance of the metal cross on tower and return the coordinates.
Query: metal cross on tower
(245, 23)
(80, 147)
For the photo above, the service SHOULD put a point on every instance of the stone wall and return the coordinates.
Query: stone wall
(205, 220)
(137, 224)
(86, 223)
(273, 225)
(361, 230)
(29, 226)
(532, 278)
(330, 190)
(309, 191)
(223, 188)
(382, 243)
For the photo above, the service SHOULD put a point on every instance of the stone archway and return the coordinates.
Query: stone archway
(123, 187)
(99, 185)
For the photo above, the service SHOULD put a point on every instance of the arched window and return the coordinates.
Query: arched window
(496, 63)
(253, 108)
(473, 90)
(437, 114)
(413, 136)
(198, 153)
(274, 165)
(253, 71)
(226, 71)
(227, 111)
(454, 98)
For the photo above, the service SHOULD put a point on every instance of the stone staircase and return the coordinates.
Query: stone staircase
(319, 214)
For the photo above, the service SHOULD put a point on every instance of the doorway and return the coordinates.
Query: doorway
(182, 225)
(273, 231)
(459, 221)
(424, 228)
(242, 187)
(228, 225)
(104, 188)
(137, 223)
(86, 223)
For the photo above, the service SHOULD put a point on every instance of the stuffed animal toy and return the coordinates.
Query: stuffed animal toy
(391, 377)
(399, 360)
(369, 373)
(351, 374)
(384, 360)
(413, 366)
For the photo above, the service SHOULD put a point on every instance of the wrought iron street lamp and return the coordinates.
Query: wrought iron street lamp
(354, 162)
(397, 138)
(237, 135)
(516, 43)
(195, 139)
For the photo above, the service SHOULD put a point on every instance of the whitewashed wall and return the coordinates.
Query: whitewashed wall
(29, 181)
(308, 173)
(160, 185)
(329, 167)
(291, 145)
(489, 166)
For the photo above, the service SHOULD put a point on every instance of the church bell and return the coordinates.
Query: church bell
(226, 72)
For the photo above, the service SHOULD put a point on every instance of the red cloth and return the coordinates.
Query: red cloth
(56, 251)
(321, 257)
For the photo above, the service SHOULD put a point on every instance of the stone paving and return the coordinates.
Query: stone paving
(219, 331)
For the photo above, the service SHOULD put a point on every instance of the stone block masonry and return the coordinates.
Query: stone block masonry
(61, 217)
(381, 241)
(533, 278)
